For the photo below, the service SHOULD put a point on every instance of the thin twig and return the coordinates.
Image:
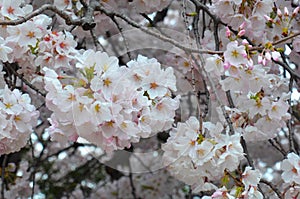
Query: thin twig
(273, 187)
(155, 34)
(3, 176)
(131, 183)
(278, 148)
(247, 156)
(34, 168)
(290, 121)
(285, 66)
(26, 81)
(95, 40)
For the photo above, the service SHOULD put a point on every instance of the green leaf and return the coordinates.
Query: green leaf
(225, 180)
(239, 191)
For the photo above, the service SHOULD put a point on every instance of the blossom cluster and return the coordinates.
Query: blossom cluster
(247, 189)
(257, 102)
(259, 97)
(111, 105)
(199, 158)
(56, 50)
(17, 119)
(291, 175)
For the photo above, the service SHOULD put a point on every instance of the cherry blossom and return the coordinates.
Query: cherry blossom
(66, 84)
(290, 167)
(235, 55)
(18, 118)
(115, 105)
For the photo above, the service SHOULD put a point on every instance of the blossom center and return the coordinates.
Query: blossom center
(234, 53)
(30, 34)
(106, 82)
(10, 10)
(153, 85)
(8, 105)
(97, 108)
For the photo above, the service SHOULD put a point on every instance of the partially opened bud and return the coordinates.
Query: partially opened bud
(228, 34)
(275, 55)
(279, 13)
(286, 12)
(268, 56)
(295, 12)
(241, 33)
(268, 18)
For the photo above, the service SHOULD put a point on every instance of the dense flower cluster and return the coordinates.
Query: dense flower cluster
(109, 105)
(17, 119)
(197, 159)
(248, 83)
(259, 98)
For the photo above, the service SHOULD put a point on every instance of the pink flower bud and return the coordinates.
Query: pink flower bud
(275, 55)
(245, 42)
(268, 18)
(228, 34)
(241, 33)
(226, 65)
(295, 12)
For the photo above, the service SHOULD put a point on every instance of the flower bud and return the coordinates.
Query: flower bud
(279, 13)
(241, 33)
(268, 18)
(286, 12)
(226, 65)
(228, 34)
(295, 12)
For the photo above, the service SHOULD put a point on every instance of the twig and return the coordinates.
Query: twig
(88, 19)
(123, 37)
(43, 8)
(290, 121)
(131, 183)
(272, 187)
(285, 66)
(247, 156)
(155, 34)
(143, 164)
(279, 148)
(193, 80)
(95, 40)
(3, 176)
(34, 168)
(25, 81)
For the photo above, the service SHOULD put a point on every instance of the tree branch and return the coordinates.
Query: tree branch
(43, 8)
